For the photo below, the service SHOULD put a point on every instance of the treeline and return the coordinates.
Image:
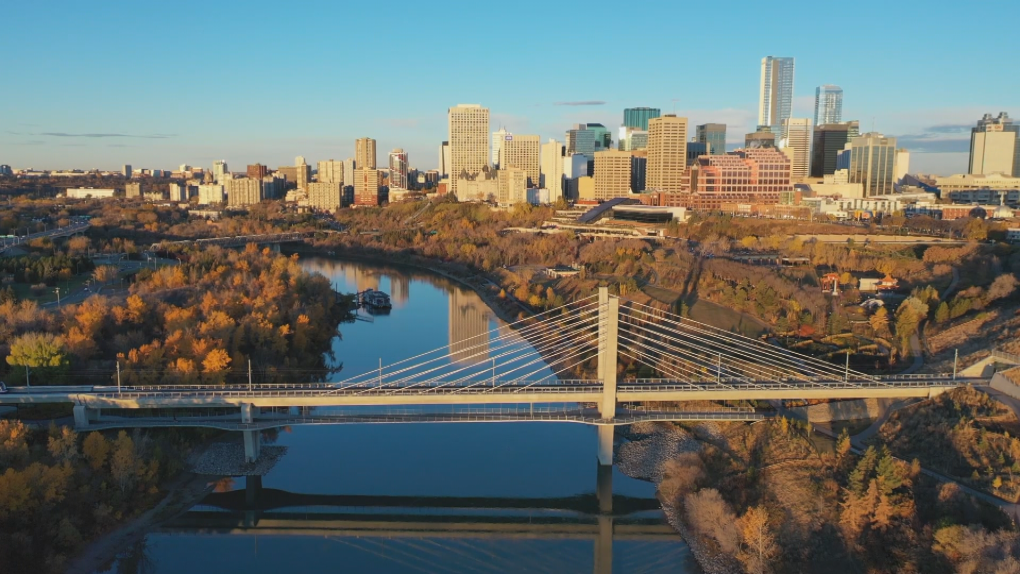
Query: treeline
(200, 321)
(46, 269)
(59, 489)
(763, 498)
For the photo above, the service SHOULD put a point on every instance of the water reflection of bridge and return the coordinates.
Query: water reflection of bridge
(467, 522)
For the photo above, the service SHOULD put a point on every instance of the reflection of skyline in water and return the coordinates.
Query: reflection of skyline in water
(468, 315)
(469, 322)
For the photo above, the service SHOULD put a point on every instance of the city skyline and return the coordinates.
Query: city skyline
(156, 120)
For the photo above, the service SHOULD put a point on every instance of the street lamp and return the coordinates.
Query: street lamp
(58, 297)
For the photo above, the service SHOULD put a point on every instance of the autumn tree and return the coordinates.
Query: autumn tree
(36, 350)
(123, 463)
(96, 450)
(104, 274)
(63, 444)
(759, 545)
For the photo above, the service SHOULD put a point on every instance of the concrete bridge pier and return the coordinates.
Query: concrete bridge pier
(252, 445)
(248, 412)
(83, 415)
(252, 490)
(606, 434)
(604, 546)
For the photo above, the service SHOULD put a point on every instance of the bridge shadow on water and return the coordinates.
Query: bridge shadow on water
(596, 531)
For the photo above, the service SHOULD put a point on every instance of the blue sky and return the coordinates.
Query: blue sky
(160, 84)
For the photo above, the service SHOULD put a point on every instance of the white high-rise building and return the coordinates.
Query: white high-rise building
(219, 170)
(797, 145)
(210, 193)
(552, 168)
(775, 99)
(444, 160)
(994, 146)
(902, 165)
(331, 171)
(469, 141)
(828, 104)
(497, 142)
(348, 173)
(522, 152)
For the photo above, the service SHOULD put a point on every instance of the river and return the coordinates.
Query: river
(419, 497)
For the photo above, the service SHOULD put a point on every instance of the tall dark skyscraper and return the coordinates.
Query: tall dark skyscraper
(828, 141)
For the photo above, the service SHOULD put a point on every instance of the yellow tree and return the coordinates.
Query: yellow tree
(759, 544)
(96, 450)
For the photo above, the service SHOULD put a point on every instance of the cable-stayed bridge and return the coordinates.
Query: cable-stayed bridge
(531, 370)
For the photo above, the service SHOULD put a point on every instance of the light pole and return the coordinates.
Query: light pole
(58, 297)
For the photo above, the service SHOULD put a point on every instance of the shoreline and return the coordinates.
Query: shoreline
(430, 266)
(183, 492)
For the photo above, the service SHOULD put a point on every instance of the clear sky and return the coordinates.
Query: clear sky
(159, 84)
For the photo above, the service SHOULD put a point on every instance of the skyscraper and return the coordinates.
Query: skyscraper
(873, 163)
(797, 145)
(398, 169)
(603, 137)
(522, 152)
(667, 153)
(715, 136)
(444, 159)
(469, 141)
(219, 169)
(552, 168)
(994, 146)
(497, 141)
(828, 141)
(303, 171)
(349, 166)
(638, 117)
(612, 174)
(364, 153)
(126, 171)
(775, 99)
(581, 140)
(828, 104)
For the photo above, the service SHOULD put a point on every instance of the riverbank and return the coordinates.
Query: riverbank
(182, 492)
(486, 287)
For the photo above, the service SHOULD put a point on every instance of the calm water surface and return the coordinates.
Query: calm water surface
(424, 497)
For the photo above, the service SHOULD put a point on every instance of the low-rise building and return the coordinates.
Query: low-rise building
(1013, 235)
(89, 192)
